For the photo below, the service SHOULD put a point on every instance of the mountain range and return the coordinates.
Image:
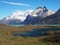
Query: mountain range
(41, 15)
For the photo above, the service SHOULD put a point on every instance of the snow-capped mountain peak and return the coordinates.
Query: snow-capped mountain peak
(42, 12)
(20, 16)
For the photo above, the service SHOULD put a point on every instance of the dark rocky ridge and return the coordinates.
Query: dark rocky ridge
(52, 19)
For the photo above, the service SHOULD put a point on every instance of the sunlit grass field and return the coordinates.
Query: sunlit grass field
(7, 39)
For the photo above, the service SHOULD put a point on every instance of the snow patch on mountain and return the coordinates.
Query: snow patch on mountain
(42, 12)
(21, 15)
(50, 12)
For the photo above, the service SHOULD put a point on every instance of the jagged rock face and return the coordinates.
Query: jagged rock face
(42, 12)
(32, 20)
(38, 15)
(52, 19)
(39, 12)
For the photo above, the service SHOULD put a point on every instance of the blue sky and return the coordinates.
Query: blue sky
(7, 7)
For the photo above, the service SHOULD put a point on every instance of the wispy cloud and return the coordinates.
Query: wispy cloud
(13, 3)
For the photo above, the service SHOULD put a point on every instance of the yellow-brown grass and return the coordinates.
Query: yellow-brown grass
(7, 39)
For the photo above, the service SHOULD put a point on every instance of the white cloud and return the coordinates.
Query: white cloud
(13, 3)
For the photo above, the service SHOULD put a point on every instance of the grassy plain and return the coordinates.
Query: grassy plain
(7, 39)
